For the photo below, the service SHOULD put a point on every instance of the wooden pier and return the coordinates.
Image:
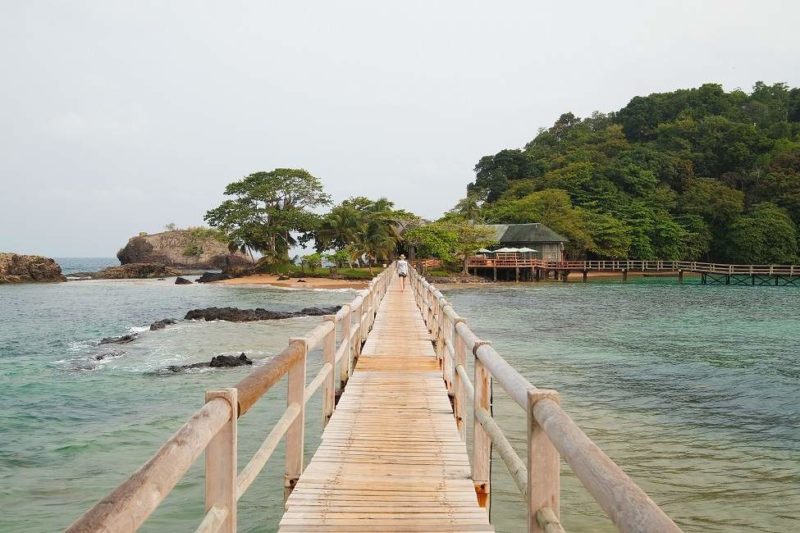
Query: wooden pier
(511, 267)
(391, 458)
(393, 455)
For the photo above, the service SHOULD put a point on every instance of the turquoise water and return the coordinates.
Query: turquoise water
(692, 389)
(70, 265)
(72, 427)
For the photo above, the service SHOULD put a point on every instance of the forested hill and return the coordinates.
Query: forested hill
(692, 174)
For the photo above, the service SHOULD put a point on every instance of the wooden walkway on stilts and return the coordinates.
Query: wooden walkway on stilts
(391, 458)
(393, 455)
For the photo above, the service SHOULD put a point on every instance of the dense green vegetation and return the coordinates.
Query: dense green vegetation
(272, 211)
(452, 240)
(361, 229)
(691, 174)
(268, 209)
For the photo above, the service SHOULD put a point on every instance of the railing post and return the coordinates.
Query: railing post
(295, 434)
(344, 364)
(544, 464)
(481, 442)
(459, 400)
(359, 312)
(329, 385)
(448, 366)
(221, 463)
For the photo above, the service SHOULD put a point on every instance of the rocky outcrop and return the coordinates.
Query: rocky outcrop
(209, 277)
(234, 314)
(161, 324)
(218, 361)
(124, 339)
(182, 281)
(136, 271)
(189, 249)
(16, 268)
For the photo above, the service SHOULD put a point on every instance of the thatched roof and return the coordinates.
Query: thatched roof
(525, 234)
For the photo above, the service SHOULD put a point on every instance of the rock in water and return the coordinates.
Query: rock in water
(161, 324)
(136, 271)
(234, 314)
(124, 339)
(16, 268)
(198, 248)
(230, 360)
(208, 277)
(182, 281)
(218, 361)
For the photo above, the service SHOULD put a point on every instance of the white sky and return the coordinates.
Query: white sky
(119, 117)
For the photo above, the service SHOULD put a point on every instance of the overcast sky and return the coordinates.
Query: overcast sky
(120, 117)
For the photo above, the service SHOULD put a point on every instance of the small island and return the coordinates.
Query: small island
(16, 268)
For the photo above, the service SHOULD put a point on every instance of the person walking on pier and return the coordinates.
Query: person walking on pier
(402, 271)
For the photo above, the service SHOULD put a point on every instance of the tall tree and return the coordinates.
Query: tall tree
(450, 240)
(366, 229)
(766, 235)
(267, 208)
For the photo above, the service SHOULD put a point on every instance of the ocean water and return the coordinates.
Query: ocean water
(693, 390)
(73, 427)
(71, 265)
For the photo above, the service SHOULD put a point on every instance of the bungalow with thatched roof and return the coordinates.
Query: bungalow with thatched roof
(548, 244)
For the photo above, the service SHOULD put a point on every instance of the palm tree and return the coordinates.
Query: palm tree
(364, 228)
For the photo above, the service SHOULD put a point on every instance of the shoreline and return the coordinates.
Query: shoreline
(294, 283)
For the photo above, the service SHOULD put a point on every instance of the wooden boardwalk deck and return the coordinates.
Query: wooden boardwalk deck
(391, 458)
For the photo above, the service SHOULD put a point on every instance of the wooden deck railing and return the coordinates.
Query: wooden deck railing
(619, 265)
(552, 434)
(213, 428)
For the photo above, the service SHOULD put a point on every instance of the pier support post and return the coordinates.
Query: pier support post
(481, 442)
(680, 275)
(329, 385)
(544, 464)
(517, 275)
(624, 275)
(221, 463)
(495, 273)
(585, 275)
(295, 434)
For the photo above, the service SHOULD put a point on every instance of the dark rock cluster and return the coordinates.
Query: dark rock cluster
(218, 361)
(161, 324)
(136, 271)
(234, 314)
(124, 339)
(208, 277)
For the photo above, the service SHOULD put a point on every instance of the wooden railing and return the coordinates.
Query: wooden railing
(552, 434)
(619, 265)
(213, 428)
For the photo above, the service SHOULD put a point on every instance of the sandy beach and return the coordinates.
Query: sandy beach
(295, 283)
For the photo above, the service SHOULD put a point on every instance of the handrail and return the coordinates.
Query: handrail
(213, 428)
(551, 432)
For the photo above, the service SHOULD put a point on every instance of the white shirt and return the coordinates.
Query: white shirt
(402, 267)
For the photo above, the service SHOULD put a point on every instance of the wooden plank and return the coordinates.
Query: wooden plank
(391, 457)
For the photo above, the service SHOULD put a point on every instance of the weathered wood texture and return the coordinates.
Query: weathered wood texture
(391, 457)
